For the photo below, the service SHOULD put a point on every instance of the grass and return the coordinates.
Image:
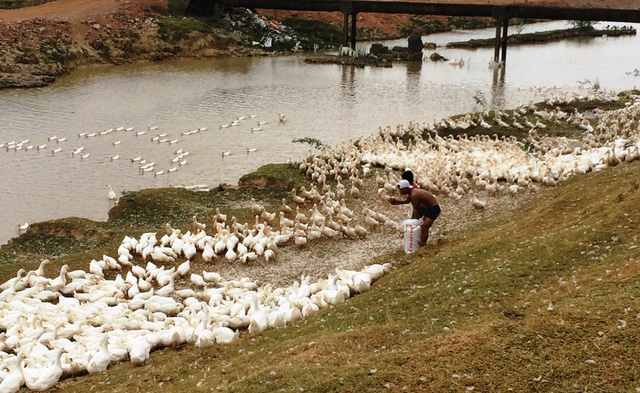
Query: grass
(315, 31)
(543, 36)
(529, 303)
(175, 28)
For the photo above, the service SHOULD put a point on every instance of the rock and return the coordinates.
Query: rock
(378, 49)
(430, 45)
(415, 43)
(435, 56)
(24, 80)
(400, 50)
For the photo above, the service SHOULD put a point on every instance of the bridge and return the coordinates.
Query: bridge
(501, 13)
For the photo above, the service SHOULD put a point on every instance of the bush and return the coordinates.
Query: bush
(176, 28)
(313, 31)
(424, 27)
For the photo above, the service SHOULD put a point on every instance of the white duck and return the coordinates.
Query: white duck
(139, 349)
(46, 377)
(111, 194)
(14, 379)
(100, 360)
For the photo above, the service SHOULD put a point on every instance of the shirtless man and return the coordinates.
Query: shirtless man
(424, 204)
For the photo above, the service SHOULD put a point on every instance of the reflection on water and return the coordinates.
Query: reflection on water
(348, 84)
(497, 88)
(327, 102)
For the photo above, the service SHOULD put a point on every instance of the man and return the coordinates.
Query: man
(424, 204)
(408, 176)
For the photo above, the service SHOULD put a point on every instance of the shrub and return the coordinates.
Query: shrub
(175, 28)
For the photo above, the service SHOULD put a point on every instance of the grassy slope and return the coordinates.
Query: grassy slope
(532, 303)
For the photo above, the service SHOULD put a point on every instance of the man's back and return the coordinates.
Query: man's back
(421, 199)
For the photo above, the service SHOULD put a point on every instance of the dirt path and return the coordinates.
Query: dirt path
(74, 10)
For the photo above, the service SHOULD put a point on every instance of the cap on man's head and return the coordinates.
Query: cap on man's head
(404, 184)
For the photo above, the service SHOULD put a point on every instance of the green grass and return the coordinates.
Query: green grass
(311, 31)
(175, 7)
(521, 304)
(175, 28)
(542, 36)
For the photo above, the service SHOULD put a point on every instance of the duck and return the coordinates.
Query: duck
(138, 349)
(300, 241)
(477, 203)
(111, 195)
(22, 227)
(296, 199)
(219, 217)
(197, 226)
(46, 377)
(269, 255)
(286, 209)
(100, 360)
(258, 318)
(360, 230)
(14, 380)
(10, 282)
(224, 335)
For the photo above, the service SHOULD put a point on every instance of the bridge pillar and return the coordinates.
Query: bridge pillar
(505, 26)
(496, 52)
(353, 30)
(349, 34)
(500, 52)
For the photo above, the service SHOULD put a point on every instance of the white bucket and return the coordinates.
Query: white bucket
(411, 229)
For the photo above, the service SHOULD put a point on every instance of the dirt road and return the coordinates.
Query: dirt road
(74, 10)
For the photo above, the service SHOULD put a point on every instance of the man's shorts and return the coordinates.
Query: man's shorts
(432, 212)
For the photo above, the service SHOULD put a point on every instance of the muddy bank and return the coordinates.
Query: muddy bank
(36, 51)
(349, 60)
(544, 36)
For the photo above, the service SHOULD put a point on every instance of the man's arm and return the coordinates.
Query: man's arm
(395, 201)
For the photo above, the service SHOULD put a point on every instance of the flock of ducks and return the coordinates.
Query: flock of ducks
(55, 143)
(148, 297)
(455, 166)
(84, 320)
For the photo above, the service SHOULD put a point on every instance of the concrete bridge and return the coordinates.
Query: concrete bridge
(501, 13)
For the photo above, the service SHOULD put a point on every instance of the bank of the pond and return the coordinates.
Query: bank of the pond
(38, 49)
(545, 36)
